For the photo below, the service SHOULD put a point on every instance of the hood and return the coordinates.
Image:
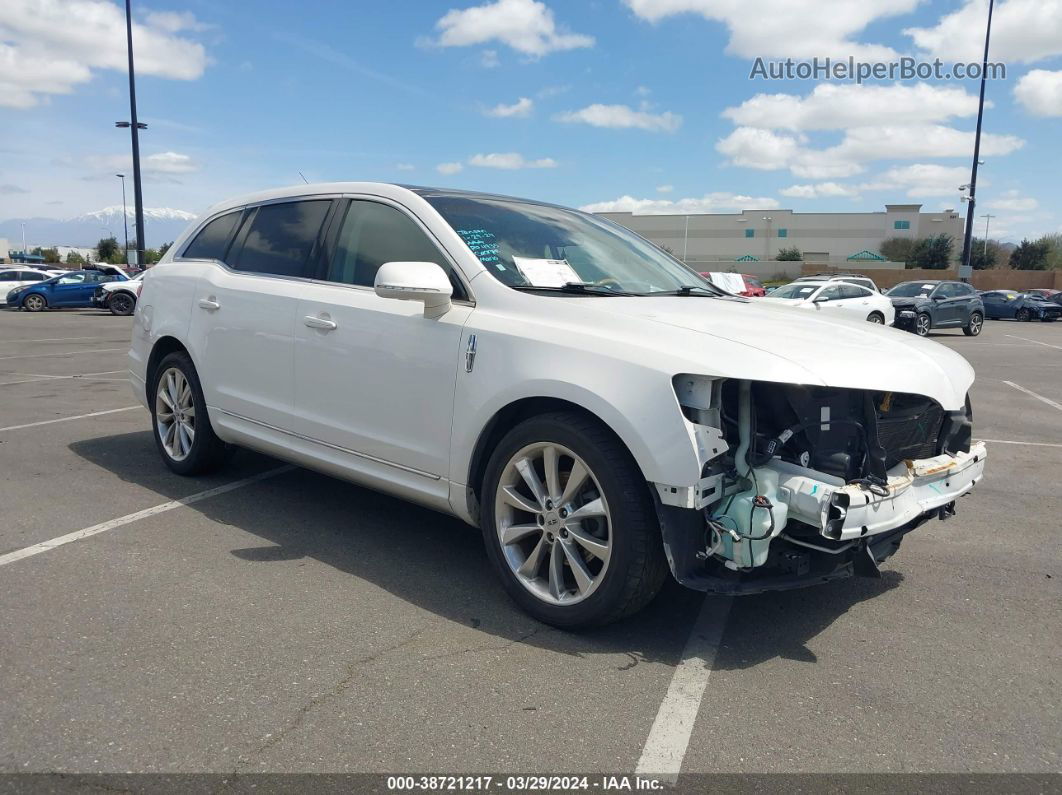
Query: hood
(783, 301)
(769, 341)
(899, 302)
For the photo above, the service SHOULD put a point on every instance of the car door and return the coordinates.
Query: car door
(994, 305)
(829, 299)
(70, 289)
(855, 301)
(245, 302)
(375, 378)
(948, 305)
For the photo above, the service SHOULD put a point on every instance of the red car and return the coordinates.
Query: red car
(753, 287)
(1046, 292)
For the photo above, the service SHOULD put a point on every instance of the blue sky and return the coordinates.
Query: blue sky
(613, 104)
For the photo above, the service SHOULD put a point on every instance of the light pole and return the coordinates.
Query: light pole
(685, 239)
(134, 128)
(968, 237)
(987, 218)
(767, 240)
(125, 218)
(24, 252)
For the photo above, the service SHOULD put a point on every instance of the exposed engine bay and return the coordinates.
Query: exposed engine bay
(803, 484)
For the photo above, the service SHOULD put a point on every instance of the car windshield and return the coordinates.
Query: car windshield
(795, 290)
(911, 289)
(528, 246)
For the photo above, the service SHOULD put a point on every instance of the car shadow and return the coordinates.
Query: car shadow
(438, 563)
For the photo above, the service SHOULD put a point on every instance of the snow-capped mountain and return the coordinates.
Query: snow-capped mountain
(161, 225)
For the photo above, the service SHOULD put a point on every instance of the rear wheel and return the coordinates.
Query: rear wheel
(876, 317)
(973, 328)
(923, 324)
(183, 435)
(34, 303)
(121, 304)
(569, 523)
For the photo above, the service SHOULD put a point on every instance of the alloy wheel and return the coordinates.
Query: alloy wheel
(923, 325)
(553, 523)
(976, 321)
(876, 319)
(175, 414)
(34, 303)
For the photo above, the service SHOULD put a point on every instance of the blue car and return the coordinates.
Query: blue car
(72, 289)
(1012, 305)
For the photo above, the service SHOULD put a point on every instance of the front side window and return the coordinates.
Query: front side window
(947, 291)
(831, 294)
(528, 245)
(282, 237)
(374, 233)
(73, 278)
(213, 240)
(854, 291)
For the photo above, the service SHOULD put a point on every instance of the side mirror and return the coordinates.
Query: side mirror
(820, 300)
(416, 281)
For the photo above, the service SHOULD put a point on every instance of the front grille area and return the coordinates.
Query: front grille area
(908, 427)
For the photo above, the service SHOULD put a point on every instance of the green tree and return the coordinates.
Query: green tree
(164, 248)
(151, 256)
(50, 254)
(1029, 256)
(107, 248)
(933, 253)
(897, 249)
(1054, 250)
(73, 258)
(789, 255)
(984, 257)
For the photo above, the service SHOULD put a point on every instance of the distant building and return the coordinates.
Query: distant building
(837, 239)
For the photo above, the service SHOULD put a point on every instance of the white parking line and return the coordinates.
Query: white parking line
(669, 738)
(67, 419)
(103, 527)
(64, 353)
(67, 339)
(42, 377)
(1037, 342)
(1013, 441)
(1048, 401)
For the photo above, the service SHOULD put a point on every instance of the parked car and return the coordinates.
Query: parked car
(832, 296)
(68, 290)
(600, 411)
(1045, 292)
(13, 278)
(119, 296)
(751, 287)
(925, 305)
(851, 278)
(1011, 305)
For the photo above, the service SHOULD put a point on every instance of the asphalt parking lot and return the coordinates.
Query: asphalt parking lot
(298, 623)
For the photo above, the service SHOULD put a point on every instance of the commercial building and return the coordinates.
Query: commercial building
(754, 237)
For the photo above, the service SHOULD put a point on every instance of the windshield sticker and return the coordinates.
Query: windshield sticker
(547, 272)
(927, 286)
(484, 245)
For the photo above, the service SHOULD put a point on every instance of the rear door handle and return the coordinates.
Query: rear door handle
(320, 322)
(209, 304)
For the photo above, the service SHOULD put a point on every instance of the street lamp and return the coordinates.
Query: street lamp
(987, 218)
(968, 236)
(134, 128)
(125, 218)
(767, 240)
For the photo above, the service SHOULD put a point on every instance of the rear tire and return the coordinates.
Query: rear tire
(121, 304)
(186, 442)
(34, 303)
(973, 328)
(566, 571)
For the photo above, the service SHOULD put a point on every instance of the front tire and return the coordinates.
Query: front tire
(569, 523)
(183, 435)
(34, 303)
(1023, 316)
(121, 304)
(923, 324)
(877, 318)
(973, 328)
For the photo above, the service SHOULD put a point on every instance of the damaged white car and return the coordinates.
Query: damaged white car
(598, 409)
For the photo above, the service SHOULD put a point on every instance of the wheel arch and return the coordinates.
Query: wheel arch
(163, 347)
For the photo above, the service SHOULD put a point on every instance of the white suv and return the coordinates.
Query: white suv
(598, 409)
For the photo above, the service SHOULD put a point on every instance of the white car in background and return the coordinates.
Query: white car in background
(13, 278)
(601, 412)
(120, 296)
(832, 297)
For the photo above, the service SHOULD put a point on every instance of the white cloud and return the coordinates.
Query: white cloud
(521, 108)
(510, 161)
(664, 188)
(159, 163)
(817, 191)
(525, 25)
(405, 167)
(1012, 201)
(832, 106)
(48, 47)
(920, 180)
(711, 202)
(760, 149)
(1022, 31)
(622, 116)
(1040, 91)
(448, 168)
(488, 59)
(781, 28)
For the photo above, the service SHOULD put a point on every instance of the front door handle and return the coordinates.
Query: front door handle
(209, 304)
(319, 322)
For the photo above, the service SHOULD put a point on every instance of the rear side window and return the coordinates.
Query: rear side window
(213, 239)
(8, 276)
(282, 237)
(32, 276)
(854, 291)
(373, 234)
